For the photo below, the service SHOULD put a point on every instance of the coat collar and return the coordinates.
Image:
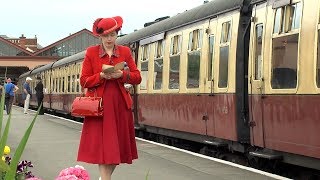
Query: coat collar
(102, 52)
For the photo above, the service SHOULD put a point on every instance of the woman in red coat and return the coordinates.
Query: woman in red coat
(108, 140)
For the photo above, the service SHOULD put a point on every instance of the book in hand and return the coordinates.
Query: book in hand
(110, 68)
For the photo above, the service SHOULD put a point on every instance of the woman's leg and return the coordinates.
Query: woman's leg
(106, 171)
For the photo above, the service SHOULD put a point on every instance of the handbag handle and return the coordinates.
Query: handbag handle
(95, 89)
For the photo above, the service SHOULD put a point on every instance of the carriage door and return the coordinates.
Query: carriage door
(256, 83)
(211, 32)
(210, 78)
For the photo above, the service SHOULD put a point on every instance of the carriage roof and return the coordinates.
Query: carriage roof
(207, 10)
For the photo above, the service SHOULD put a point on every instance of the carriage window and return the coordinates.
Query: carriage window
(72, 84)
(296, 15)
(211, 58)
(195, 38)
(224, 54)
(174, 72)
(159, 49)
(174, 65)
(56, 85)
(69, 83)
(258, 52)
(62, 84)
(285, 48)
(284, 62)
(223, 67)
(175, 45)
(145, 52)
(78, 83)
(287, 18)
(158, 65)
(278, 21)
(226, 32)
(59, 84)
(48, 85)
(144, 66)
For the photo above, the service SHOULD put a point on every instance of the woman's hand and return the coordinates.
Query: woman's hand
(115, 75)
(104, 76)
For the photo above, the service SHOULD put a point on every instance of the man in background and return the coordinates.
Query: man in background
(39, 94)
(26, 94)
(10, 90)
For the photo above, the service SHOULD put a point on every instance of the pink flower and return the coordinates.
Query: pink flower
(73, 173)
(33, 178)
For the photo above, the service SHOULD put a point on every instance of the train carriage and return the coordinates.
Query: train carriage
(237, 75)
(61, 83)
(284, 88)
(65, 84)
(190, 68)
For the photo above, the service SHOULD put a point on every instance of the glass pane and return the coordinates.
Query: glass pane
(159, 49)
(174, 72)
(146, 52)
(179, 43)
(144, 73)
(62, 86)
(229, 32)
(78, 83)
(190, 44)
(175, 45)
(73, 83)
(193, 69)
(69, 82)
(226, 32)
(297, 8)
(258, 52)
(284, 62)
(223, 67)
(171, 46)
(277, 21)
(211, 58)
(195, 41)
(158, 71)
(141, 53)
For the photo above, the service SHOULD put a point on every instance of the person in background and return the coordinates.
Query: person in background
(39, 95)
(2, 89)
(10, 90)
(26, 95)
(108, 140)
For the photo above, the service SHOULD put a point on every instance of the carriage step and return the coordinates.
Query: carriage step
(266, 155)
(216, 143)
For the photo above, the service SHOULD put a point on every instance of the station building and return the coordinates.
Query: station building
(19, 55)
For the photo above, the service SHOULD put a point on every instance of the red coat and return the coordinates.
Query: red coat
(92, 66)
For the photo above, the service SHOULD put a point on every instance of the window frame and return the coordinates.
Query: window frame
(224, 42)
(284, 31)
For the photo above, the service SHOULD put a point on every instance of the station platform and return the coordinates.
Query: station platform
(53, 146)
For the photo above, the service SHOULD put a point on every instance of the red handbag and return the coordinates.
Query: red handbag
(87, 106)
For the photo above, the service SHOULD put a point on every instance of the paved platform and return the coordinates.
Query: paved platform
(53, 146)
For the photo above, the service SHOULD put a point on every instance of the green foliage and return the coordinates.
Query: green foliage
(11, 170)
(147, 176)
(3, 165)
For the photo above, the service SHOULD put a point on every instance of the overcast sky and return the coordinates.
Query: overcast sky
(52, 20)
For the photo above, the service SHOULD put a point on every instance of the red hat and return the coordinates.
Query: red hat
(103, 26)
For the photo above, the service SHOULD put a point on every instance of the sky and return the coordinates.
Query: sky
(52, 20)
